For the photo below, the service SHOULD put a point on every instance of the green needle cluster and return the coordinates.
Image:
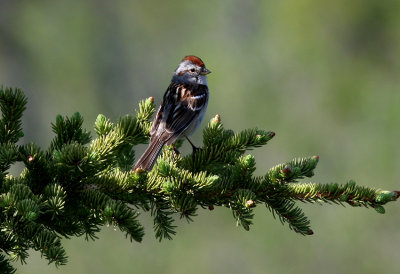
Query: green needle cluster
(81, 183)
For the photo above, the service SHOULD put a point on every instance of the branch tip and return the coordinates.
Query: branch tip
(217, 118)
(287, 170)
(139, 170)
(250, 203)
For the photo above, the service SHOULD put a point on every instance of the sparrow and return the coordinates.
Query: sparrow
(181, 111)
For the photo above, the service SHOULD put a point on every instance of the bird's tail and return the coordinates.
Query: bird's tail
(149, 157)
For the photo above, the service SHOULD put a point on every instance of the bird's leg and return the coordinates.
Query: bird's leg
(176, 151)
(195, 149)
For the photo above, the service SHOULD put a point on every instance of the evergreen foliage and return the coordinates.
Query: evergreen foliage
(81, 183)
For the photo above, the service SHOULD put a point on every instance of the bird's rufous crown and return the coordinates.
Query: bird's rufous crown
(194, 59)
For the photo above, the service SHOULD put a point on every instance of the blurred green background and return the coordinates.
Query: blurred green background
(324, 75)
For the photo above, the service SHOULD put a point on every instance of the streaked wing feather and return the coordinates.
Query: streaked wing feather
(187, 108)
(157, 120)
(178, 110)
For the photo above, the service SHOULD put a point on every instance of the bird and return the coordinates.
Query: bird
(182, 109)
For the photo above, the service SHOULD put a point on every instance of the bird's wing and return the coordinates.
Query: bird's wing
(180, 106)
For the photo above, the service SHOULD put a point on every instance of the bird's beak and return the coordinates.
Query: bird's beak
(204, 71)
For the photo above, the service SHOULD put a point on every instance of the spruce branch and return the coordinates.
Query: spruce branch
(12, 106)
(81, 183)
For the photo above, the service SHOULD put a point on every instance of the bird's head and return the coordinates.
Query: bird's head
(191, 70)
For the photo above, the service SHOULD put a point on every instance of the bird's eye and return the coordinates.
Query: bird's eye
(192, 70)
